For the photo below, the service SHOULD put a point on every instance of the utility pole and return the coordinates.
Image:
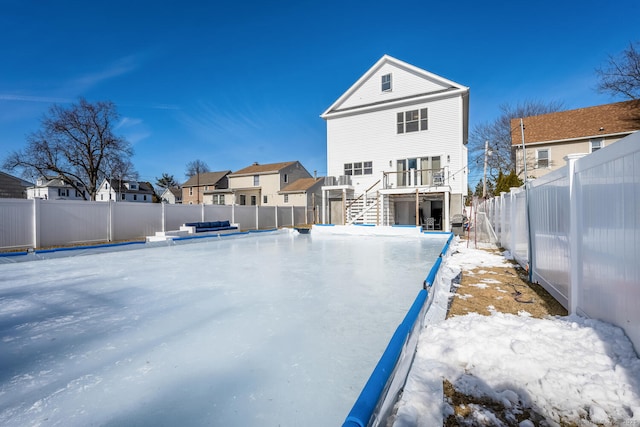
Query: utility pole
(484, 179)
(524, 151)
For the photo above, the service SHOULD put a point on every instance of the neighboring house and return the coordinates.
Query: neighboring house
(12, 187)
(56, 188)
(172, 195)
(206, 188)
(260, 185)
(549, 138)
(124, 191)
(396, 148)
(305, 192)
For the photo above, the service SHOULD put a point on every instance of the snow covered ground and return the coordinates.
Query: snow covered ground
(568, 369)
(271, 329)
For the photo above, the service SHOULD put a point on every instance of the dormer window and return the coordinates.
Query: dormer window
(386, 83)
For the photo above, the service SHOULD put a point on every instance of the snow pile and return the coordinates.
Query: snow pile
(467, 258)
(565, 369)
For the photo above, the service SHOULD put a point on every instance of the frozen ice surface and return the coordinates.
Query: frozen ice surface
(265, 330)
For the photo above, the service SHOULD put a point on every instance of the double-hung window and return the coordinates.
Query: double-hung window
(358, 168)
(412, 121)
(368, 168)
(542, 159)
(386, 83)
(596, 144)
(256, 180)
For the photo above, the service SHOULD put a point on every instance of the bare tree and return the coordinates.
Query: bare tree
(78, 145)
(621, 75)
(498, 133)
(196, 167)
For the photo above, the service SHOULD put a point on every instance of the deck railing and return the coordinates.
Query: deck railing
(414, 178)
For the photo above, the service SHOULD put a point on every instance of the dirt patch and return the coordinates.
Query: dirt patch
(464, 407)
(502, 289)
(499, 289)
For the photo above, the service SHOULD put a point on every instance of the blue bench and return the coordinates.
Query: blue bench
(210, 226)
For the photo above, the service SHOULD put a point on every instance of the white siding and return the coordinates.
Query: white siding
(373, 137)
(403, 83)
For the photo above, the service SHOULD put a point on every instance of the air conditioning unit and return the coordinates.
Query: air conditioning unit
(344, 180)
(329, 180)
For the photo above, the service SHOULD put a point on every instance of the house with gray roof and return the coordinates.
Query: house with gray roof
(125, 191)
(12, 187)
(57, 188)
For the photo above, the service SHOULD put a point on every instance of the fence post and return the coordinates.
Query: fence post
(111, 207)
(512, 221)
(293, 216)
(202, 211)
(257, 218)
(36, 222)
(163, 217)
(575, 224)
(276, 210)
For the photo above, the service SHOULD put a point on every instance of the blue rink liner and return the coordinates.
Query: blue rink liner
(378, 396)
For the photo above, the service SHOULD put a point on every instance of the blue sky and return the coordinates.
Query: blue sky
(238, 82)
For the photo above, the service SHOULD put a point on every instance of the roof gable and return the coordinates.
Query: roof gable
(301, 185)
(407, 82)
(258, 169)
(122, 186)
(207, 178)
(600, 120)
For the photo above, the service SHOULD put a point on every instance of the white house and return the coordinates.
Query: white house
(172, 195)
(56, 188)
(124, 191)
(396, 148)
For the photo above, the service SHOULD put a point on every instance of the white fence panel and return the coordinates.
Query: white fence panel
(246, 217)
(73, 221)
(176, 215)
(132, 220)
(549, 215)
(16, 223)
(301, 215)
(267, 216)
(284, 216)
(218, 213)
(585, 233)
(519, 228)
(608, 194)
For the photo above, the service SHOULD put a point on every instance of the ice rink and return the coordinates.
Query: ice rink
(269, 329)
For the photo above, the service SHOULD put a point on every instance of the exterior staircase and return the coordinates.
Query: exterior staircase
(366, 208)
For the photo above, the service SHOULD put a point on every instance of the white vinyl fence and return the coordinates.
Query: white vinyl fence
(40, 223)
(578, 230)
